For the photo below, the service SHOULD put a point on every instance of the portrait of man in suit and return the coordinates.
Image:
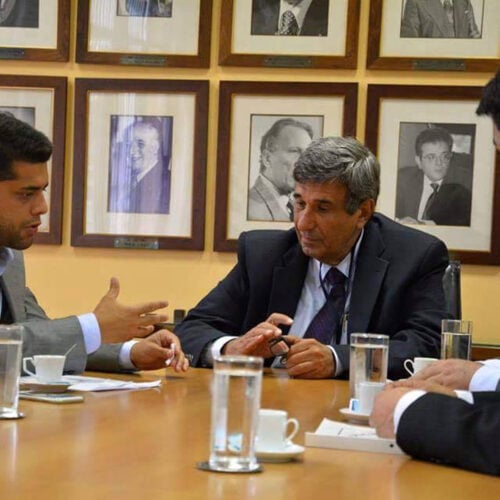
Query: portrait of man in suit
(290, 17)
(140, 170)
(19, 13)
(439, 19)
(145, 8)
(434, 191)
(280, 147)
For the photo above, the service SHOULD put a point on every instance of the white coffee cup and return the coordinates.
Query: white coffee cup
(367, 391)
(413, 366)
(48, 368)
(272, 430)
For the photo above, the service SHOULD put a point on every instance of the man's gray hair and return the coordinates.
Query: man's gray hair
(344, 160)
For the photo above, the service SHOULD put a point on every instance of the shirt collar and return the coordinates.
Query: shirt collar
(6, 256)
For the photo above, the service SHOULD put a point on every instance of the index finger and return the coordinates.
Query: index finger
(149, 307)
(279, 319)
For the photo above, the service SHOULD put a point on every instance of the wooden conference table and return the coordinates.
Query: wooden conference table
(145, 444)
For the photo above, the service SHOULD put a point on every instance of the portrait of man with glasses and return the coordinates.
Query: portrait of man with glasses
(437, 190)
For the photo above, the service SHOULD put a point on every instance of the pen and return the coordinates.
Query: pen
(168, 362)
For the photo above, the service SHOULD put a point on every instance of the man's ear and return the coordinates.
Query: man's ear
(418, 161)
(366, 209)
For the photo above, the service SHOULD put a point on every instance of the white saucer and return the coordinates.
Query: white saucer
(291, 452)
(355, 415)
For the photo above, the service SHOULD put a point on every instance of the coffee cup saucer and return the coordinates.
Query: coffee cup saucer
(291, 452)
(34, 385)
(355, 415)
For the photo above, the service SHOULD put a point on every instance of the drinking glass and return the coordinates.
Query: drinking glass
(456, 338)
(11, 346)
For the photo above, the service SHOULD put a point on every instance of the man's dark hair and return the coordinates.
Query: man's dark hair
(490, 102)
(20, 142)
(433, 135)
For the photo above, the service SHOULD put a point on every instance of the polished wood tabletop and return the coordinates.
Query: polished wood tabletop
(145, 444)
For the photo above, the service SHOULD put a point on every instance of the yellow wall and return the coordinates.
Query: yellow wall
(70, 280)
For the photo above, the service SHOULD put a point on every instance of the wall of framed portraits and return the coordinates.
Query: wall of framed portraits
(207, 97)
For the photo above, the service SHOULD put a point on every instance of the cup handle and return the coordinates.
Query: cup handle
(25, 367)
(295, 424)
(408, 364)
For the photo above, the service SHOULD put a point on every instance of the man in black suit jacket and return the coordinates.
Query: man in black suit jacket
(428, 421)
(427, 194)
(311, 20)
(393, 275)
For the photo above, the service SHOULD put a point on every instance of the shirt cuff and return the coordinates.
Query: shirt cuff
(91, 332)
(338, 364)
(124, 356)
(403, 403)
(465, 396)
(485, 379)
(214, 349)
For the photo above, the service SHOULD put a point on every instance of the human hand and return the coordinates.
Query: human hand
(308, 358)
(256, 341)
(424, 385)
(119, 323)
(452, 373)
(157, 350)
(382, 416)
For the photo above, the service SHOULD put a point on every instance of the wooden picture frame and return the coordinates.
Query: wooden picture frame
(169, 38)
(399, 40)
(330, 41)
(41, 102)
(139, 176)
(467, 216)
(247, 111)
(32, 31)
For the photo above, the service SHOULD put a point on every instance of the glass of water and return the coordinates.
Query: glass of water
(368, 360)
(456, 338)
(235, 406)
(11, 344)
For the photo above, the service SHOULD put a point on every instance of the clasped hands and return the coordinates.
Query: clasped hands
(306, 358)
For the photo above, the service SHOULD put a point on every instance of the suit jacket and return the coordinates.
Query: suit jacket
(263, 203)
(265, 18)
(46, 336)
(450, 207)
(427, 19)
(397, 290)
(450, 431)
(151, 195)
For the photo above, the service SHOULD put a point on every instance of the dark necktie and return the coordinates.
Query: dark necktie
(288, 24)
(326, 326)
(430, 201)
(5, 316)
(448, 9)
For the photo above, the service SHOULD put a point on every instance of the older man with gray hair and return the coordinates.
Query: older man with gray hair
(342, 269)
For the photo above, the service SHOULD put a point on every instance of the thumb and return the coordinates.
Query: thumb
(114, 288)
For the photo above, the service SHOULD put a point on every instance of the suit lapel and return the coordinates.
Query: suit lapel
(436, 11)
(287, 283)
(370, 272)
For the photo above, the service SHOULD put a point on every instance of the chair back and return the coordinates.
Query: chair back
(452, 291)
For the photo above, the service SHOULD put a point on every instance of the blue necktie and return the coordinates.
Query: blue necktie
(326, 326)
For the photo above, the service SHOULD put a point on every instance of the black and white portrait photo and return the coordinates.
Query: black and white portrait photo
(435, 173)
(441, 18)
(140, 164)
(19, 13)
(145, 8)
(290, 17)
(276, 144)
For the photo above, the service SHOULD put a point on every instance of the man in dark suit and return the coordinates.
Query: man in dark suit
(24, 153)
(429, 420)
(439, 19)
(427, 193)
(290, 17)
(368, 273)
(140, 170)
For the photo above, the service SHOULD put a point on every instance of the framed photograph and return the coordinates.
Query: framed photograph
(34, 30)
(140, 163)
(438, 165)
(462, 35)
(263, 128)
(160, 33)
(289, 33)
(40, 101)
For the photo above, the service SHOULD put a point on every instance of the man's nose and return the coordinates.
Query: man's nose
(304, 220)
(40, 205)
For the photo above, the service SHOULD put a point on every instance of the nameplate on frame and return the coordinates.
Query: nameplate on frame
(137, 243)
